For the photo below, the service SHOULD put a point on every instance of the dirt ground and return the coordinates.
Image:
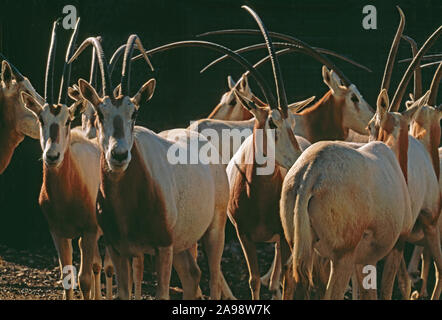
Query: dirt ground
(35, 274)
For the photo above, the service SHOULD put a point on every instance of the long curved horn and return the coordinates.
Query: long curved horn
(435, 86)
(62, 96)
(94, 67)
(270, 99)
(393, 51)
(435, 56)
(49, 76)
(18, 76)
(279, 82)
(127, 62)
(430, 64)
(292, 40)
(293, 48)
(105, 78)
(400, 91)
(417, 71)
(115, 57)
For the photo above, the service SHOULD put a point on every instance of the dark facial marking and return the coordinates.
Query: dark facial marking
(53, 132)
(118, 128)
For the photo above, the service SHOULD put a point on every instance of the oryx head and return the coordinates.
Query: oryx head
(116, 111)
(54, 118)
(356, 112)
(392, 127)
(15, 120)
(229, 108)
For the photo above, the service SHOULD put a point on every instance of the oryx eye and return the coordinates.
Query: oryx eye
(134, 115)
(41, 120)
(272, 125)
(354, 98)
(68, 122)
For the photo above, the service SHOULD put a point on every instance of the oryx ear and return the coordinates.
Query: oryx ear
(88, 92)
(74, 93)
(332, 80)
(31, 104)
(117, 91)
(76, 109)
(145, 93)
(382, 103)
(412, 111)
(230, 82)
(296, 106)
(244, 84)
(6, 73)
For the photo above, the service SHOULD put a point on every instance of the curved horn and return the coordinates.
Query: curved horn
(293, 48)
(417, 71)
(49, 76)
(105, 78)
(115, 57)
(270, 99)
(430, 64)
(435, 86)
(279, 82)
(435, 56)
(292, 40)
(67, 67)
(94, 67)
(125, 72)
(18, 76)
(400, 91)
(393, 51)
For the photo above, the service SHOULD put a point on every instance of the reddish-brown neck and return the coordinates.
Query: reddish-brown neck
(10, 138)
(324, 120)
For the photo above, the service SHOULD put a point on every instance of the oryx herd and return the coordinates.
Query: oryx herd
(350, 186)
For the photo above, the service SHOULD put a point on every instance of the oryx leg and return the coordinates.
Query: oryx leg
(96, 269)
(413, 265)
(64, 250)
(426, 262)
(249, 249)
(288, 283)
(275, 278)
(109, 273)
(194, 253)
(404, 281)
(265, 279)
(391, 267)
(138, 269)
(123, 273)
(432, 236)
(87, 244)
(188, 272)
(164, 270)
(340, 274)
(363, 293)
(213, 241)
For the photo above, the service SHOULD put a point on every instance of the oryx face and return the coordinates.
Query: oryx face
(115, 122)
(55, 127)
(286, 148)
(229, 108)
(356, 112)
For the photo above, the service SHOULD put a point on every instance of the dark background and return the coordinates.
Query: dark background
(182, 93)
